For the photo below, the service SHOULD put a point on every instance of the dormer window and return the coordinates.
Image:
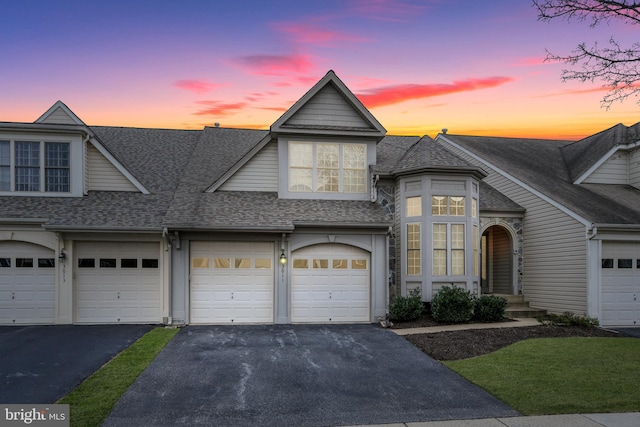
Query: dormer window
(36, 166)
(316, 167)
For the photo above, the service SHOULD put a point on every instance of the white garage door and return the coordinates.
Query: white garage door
(118, 282)
(620, 284)
(232, 282)
(330, 283)
(27, 284)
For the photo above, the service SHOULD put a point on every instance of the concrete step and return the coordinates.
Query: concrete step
(523, 312)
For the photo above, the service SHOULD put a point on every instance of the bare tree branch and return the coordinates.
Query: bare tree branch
(618, 68)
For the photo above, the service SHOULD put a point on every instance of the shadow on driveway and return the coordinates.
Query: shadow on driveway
(302, 375)
(40, 364)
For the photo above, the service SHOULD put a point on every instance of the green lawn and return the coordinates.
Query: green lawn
(560, 375)
(92, 401)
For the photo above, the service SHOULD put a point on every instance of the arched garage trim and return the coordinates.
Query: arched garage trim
(324, 239)
(46, 239)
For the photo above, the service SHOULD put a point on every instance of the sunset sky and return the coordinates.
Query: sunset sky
(473, 66)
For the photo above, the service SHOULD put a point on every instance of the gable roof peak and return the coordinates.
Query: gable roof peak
(329, 108)
(59, 113)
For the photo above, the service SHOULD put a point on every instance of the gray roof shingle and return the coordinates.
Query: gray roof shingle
(540, 165)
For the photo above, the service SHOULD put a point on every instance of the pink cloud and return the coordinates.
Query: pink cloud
(312, 34)
(390, 95)
(196, 86)
(275, 65)
(215, 108)
(532, 60)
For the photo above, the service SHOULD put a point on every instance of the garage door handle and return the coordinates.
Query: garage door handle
(13, 295)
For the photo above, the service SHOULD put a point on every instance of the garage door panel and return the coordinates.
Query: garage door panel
(337, 292)
(118, 282)
(27, 284)
(621, 284)
(232, 282)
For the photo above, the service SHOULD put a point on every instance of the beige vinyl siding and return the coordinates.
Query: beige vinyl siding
(103, 176)
(258, 174)
(634, 168)
(554, 248)
(328, 108)
(613, 171)
(59, 117)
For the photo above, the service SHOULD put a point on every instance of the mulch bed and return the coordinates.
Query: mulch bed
(456, 345)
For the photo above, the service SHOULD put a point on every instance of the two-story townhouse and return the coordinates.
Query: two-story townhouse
(321, 218)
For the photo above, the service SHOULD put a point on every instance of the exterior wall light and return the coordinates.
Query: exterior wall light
(283, 258)
(62, 257)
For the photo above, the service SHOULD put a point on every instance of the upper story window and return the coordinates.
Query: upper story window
(327, 167)
(447, 205)
(35, 166)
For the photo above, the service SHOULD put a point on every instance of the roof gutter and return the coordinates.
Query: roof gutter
(358, 225)
(101, 229)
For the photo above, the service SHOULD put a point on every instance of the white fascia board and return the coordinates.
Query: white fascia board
(510, 177)
(119, 166)
(604, 158)
(239, 164)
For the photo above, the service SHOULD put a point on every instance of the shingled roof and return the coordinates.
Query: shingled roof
(541, 165)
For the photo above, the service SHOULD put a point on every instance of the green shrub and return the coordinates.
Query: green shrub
(568, 318)
(452, 305)
(403, 309)
(489, 308)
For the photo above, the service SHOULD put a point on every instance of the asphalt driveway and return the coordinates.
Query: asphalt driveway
(40, 364)
(302, 375)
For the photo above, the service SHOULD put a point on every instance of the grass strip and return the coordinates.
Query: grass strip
(560, 375)
(92, 401)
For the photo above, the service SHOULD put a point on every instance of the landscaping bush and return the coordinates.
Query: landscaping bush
(403, 309)
(489, 308)
(452, 305)
(568, 318)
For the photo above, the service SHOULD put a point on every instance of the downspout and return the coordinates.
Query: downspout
(374, 192)
(167, 239)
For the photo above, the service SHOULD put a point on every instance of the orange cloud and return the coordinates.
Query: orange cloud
(275, 65)
(312, 34)
(215, 108)
(196, 86)
(390, 95)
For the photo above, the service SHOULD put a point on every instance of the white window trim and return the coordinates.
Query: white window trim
(41, 167)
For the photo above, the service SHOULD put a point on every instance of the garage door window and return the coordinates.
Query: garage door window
(359, 264)
(340, 263)
(300, 263)
(149, 263)
(263, 263)
(243, 262)
(107, 263)
(128, 263)
(46, 262)
(200, 262)
(221, 263)
(607, 263)
(86, 263)
(320, 263)
(5, 262)
(24, 262)
(625, 263)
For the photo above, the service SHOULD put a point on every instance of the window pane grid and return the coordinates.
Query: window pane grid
(414, 206)
(456, 206)
(457, 236)
(440, 262)
(27, 170)
(413, 249)
(457, 262)
(440, 236)
(438, 205)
